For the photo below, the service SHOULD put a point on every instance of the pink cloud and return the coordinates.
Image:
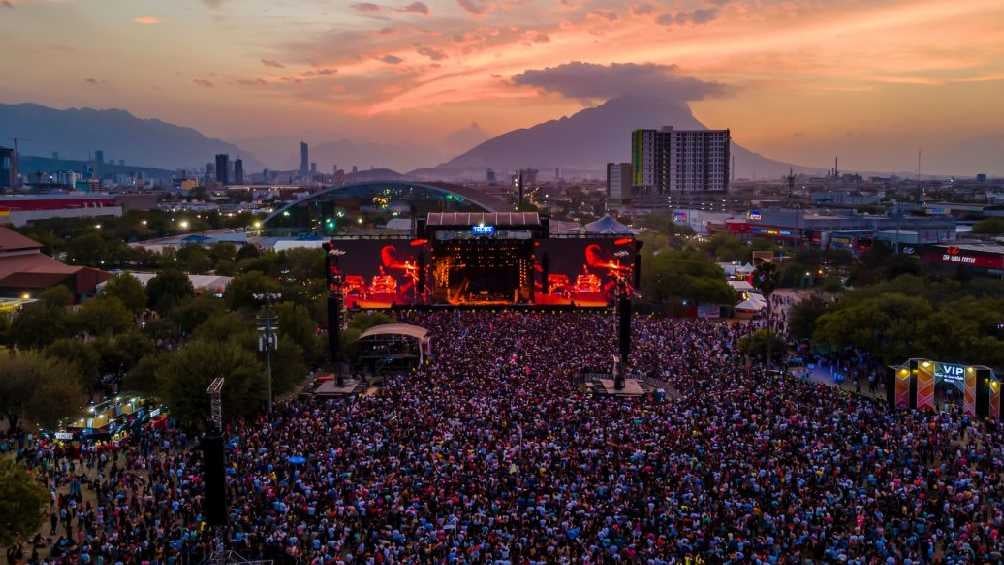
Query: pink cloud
(146, 20)
(202, 82)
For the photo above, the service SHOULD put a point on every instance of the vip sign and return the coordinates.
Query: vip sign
(950, 373)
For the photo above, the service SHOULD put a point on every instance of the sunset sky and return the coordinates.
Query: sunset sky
(797, 80)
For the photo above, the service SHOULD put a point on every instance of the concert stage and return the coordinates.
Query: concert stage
(485, 259)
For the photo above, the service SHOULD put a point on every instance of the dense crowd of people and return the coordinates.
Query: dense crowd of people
(493, 452)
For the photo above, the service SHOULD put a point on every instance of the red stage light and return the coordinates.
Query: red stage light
(419, 242)
(622, 241)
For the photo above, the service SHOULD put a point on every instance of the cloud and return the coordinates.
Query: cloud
(367, 7)
(642, 9)
(252, 82)
(273, 63)
(432, 53)
(696, 17)
(474, 6)
(146, 20)
(91, 80)
(587, 81)
(214, 4)
(391, 59)
(7, 4)
(202, 82)
(415, 8)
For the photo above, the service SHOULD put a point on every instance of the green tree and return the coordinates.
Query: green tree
(304, 264)
(38, 389)
(992, 226)
(223, 251)
(803, 315)
(288, 367)
(84, 355)
(119, 354)
(168, 290)
(763, 343)
(195, 312)
(193, 259)
(724, 246)
(240, 293)
(23, 502)
(128, 290)
(104, 315)
(678, 275)
(295, 323)
(185, 374)
(39, 324)
(142, 377)
(58, 296)
(887, 326)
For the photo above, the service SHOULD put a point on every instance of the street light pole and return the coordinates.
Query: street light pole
(268, 340)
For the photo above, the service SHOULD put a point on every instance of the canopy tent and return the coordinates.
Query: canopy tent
(741, 286)
(755, 303)
(607, 225)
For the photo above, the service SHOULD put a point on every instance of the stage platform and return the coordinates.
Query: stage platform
(330, 389)
(632, 388)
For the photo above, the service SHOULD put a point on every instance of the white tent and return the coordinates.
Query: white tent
(741, 286)
(755, 303)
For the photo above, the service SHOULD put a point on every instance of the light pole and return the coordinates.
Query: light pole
(268, 340)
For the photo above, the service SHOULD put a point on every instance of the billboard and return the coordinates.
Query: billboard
(380, 273)
(383, 273)
(581, 271)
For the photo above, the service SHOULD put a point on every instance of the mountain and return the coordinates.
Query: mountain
(592, 137)
(75, 133)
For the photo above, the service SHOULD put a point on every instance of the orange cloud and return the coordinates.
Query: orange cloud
(146, 20)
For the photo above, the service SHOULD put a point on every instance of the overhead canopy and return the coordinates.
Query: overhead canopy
(410, 330)
(470, 219)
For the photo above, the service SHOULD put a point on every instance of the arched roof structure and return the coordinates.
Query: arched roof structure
(372, 205)
(410, 330)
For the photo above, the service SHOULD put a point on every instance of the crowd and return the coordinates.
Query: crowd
(491, 452)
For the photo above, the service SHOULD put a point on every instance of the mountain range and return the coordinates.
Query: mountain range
(578, 144)
(592, 137)
(76, 133)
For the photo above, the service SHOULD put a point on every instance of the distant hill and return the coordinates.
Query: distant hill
(592, 137)
(75, 133)
(28, 164)
(283, 153)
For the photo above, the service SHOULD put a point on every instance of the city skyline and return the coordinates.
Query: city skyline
(796, 81)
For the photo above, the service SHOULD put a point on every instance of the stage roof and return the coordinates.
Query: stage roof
(496, 219)
(410, 330)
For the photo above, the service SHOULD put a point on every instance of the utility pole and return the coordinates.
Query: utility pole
(268, 339)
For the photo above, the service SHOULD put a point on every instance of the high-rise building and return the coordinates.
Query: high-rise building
(8, 167)
(99, 157)
(490, 176)
(619, 177)
(238, 171)
(672, 160)
(304, 159)
(223, 168)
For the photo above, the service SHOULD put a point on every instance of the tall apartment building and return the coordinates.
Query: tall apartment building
(223, 169)
(8, 167)
(619, 181)
(670, 160)
(239, 171)
(304, 159)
